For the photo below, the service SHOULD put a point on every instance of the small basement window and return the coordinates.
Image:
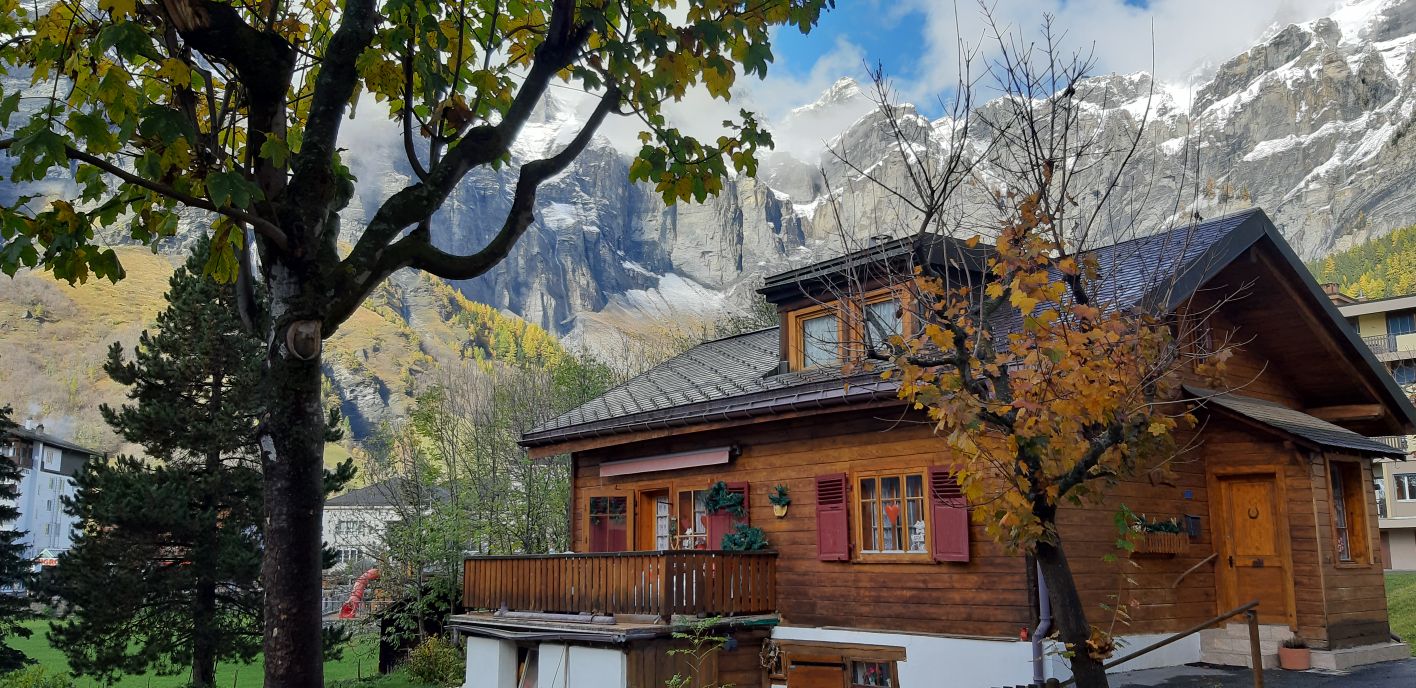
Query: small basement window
(1349, 512)
(872, 673)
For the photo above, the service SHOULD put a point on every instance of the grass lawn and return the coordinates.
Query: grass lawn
(360, 659)
(1401, 605)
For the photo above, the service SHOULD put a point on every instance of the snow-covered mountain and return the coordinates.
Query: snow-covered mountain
(1312, 123)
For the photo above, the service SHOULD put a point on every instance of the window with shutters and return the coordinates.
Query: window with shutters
(892, 515)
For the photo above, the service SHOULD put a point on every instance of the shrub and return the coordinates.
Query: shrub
(35, 677)
(435, 661)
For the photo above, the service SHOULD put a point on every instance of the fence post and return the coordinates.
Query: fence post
(1256, 658)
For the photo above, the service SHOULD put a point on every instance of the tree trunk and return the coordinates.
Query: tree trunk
(1068, 615)
(204, 633)
(293, 448)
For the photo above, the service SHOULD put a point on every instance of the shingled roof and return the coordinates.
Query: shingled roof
(717, 380)
(734, 377)
(1292, 422)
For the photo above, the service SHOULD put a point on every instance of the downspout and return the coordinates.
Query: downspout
(1044, 627)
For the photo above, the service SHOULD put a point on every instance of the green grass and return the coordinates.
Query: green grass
(1401, 605)
(360, 659)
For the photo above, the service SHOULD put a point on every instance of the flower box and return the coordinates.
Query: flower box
(1162, 544)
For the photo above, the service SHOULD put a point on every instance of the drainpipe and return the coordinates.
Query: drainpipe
(1044, 627)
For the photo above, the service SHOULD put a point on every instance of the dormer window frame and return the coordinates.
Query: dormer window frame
(851, 325)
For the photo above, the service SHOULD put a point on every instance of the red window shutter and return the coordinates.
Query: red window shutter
(950, 512)
(722, 522)
(741, 489)
(833, 541)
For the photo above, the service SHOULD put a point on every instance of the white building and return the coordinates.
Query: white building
(47, 467)
(356, 522)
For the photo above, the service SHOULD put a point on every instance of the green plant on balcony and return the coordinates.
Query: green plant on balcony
(745, 538)
(720, 499)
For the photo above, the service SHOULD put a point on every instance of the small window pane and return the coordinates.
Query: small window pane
(1405, 373)
(1403, 322)
(820, 341)
(869, 516)
(871, 674)
(883, 320)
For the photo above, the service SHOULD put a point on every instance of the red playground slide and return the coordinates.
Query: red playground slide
(356, 596)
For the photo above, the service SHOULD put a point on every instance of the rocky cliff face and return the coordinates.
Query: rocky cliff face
(1312, 124)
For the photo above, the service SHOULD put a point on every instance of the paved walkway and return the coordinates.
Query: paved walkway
(1394, 674)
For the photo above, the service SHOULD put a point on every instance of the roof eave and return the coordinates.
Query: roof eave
(1230, 248)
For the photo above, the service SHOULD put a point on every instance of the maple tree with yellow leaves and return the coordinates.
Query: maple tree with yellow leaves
(1045, 392)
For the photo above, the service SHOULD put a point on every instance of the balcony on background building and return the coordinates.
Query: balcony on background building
(661, 584)
(1381, 343)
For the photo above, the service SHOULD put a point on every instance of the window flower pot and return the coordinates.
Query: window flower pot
(1295, 658)
(779, 510)
(1162, 544)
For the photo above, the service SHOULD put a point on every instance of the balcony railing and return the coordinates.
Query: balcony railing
(662, 583)
(1381, 343)
(1397, 442)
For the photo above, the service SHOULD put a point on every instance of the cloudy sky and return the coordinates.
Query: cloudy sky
(917, 40)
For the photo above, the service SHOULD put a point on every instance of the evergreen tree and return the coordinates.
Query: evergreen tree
(14, 568)
(166, 571)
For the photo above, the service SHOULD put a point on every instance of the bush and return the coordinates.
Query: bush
(35, 677)
(435, 661)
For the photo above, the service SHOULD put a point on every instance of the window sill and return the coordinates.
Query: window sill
(893, 558)
(1352, 565)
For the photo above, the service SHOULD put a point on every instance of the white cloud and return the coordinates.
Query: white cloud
(1177, 40)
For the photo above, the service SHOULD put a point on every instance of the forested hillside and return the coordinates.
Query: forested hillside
(1385, 266)
(53, 340)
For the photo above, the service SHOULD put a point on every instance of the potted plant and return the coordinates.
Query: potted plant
(1165, 538)
(1294, 654)
(780, 501)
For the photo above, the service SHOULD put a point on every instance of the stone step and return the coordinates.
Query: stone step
(1270, 661)
(1236, 645)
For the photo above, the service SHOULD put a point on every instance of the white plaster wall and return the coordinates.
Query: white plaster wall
(1403, 548)
(491, 663)
(984, 663)
(553, 666)
(598, 667)
(937, 660)
(1183, 651)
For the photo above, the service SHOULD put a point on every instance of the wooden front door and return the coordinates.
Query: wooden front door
(1253, 546)
(654, 530)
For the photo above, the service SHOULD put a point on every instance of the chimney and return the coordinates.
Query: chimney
(1334, 293)
(39, 428)
(29, 423)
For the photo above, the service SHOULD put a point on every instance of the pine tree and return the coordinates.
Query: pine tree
(14, 568)
(165, 574)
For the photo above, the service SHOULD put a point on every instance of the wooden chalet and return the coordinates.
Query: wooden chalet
(875, 574)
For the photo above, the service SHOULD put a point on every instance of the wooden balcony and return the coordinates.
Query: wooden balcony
(662, 583)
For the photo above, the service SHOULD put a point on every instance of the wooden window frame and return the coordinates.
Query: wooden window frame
(841, 654)
(894, 669)
(681, 490)
(796, 333)
(850, 323)
(1358, 532)
(630, 497)
(858, 551)
(860, 325)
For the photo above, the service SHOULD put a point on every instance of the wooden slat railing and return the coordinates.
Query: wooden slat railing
(662, 583)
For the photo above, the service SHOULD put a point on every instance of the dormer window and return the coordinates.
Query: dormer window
(884, 318)
(825, 335)
(819, 337)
